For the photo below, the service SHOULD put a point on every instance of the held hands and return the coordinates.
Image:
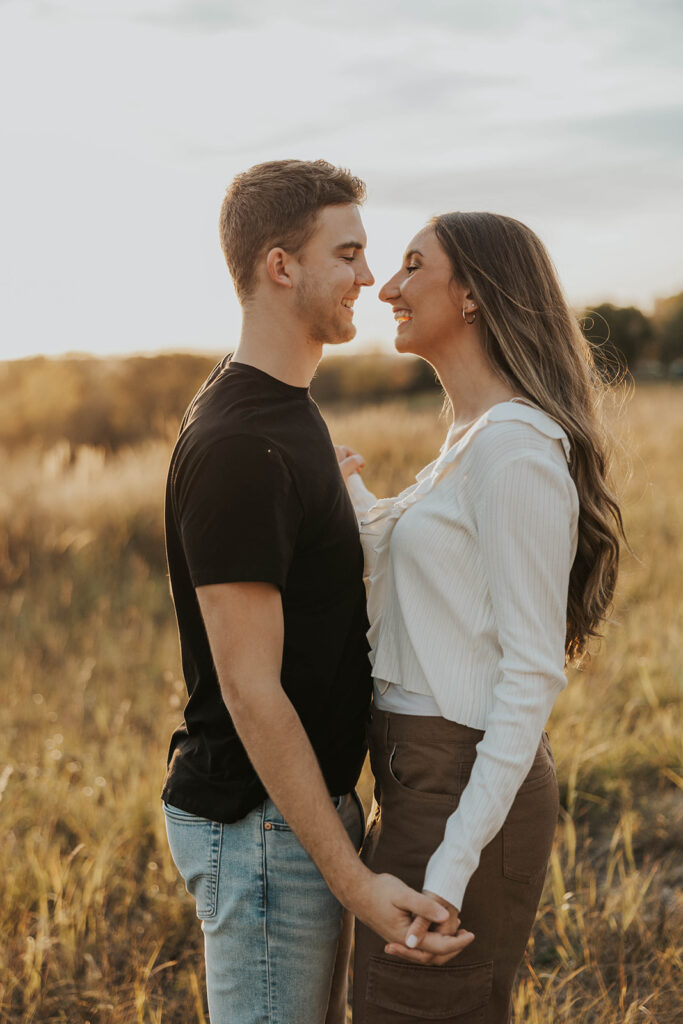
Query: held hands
(425, 940)
(350, 461)
(395, 911)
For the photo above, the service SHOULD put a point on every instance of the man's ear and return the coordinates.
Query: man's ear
(277, 266)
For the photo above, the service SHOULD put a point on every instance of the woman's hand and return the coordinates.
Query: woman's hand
(350, 461)
(387, 905)
(421, 946)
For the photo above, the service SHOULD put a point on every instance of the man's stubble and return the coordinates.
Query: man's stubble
(325, 322)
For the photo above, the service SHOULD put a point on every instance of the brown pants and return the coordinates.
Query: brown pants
(421, 766)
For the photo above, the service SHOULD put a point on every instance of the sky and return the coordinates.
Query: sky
(123, 121)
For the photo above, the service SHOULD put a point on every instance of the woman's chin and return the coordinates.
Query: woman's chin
(402, 342)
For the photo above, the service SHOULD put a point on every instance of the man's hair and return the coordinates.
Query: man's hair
(276, 204)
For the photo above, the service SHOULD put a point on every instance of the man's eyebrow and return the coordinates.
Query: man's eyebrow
(351, 245)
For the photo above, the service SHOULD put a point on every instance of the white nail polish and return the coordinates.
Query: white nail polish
(411, 941)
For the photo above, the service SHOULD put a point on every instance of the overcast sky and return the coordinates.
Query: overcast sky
(124, 120)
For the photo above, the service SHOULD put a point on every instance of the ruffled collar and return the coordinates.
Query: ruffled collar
(377, 526)
(515, 409)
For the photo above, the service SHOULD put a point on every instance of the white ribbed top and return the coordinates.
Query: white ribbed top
(467, 599)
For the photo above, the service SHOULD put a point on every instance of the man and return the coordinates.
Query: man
(266, 574)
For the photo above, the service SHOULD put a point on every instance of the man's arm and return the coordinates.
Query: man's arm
(244, 624)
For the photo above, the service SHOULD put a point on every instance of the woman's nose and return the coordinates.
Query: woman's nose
(390, 290)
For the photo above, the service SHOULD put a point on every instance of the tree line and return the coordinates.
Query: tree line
(640, 342)
(112, 402)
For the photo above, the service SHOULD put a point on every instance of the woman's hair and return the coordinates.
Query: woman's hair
(276, 204)
(536, 345)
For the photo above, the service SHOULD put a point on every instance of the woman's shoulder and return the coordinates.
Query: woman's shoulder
(513, 430)
(510, 433)
(532, 417)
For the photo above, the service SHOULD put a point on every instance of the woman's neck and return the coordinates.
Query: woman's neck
(471, 384)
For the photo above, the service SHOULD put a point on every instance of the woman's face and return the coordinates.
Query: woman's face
(426, 300)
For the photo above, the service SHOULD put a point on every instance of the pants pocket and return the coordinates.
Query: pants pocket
(195, 845)
(428, 774)
(274, 819)
(529, 829)
(402, 993)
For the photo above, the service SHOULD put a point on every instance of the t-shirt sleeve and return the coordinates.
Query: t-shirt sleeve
(238, 512)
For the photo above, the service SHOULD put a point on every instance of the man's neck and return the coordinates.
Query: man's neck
(278, 348)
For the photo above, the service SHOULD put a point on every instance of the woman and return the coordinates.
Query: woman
(483, 578)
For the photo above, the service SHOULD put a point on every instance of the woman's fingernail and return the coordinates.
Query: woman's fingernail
(411, 941)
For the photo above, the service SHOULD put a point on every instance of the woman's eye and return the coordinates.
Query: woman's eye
(411, 268)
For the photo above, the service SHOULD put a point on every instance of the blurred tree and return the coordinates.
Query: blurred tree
(621, 330)
(668, 322)
(103, 402)
(370, 376)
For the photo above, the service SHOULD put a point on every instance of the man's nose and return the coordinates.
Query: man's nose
(364, 275)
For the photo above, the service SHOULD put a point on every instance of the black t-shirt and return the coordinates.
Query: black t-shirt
(254, 493)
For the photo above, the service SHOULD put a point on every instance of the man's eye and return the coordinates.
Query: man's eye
(349, 259)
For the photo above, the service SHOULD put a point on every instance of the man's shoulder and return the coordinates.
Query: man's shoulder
(223, 443)
(221, 410)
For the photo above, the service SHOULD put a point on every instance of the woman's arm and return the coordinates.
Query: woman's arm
(362, 498)
(350, 464)
(526, 522)
(526, 519)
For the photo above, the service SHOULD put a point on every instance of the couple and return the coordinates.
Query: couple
(481, 578)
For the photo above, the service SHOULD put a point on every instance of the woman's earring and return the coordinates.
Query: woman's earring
(464, 315)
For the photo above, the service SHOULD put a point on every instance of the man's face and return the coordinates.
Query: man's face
(332, 271)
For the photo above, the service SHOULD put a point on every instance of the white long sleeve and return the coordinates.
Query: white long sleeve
(361, 498)
(526, 547)
(467, 575)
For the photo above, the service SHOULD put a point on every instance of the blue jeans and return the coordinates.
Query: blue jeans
(271, 925)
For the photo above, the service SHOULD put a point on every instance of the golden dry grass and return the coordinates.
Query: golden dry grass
(95, 924)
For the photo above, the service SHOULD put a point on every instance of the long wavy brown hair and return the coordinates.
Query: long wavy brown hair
(535, 344)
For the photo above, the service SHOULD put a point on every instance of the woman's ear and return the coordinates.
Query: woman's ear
(470, 302)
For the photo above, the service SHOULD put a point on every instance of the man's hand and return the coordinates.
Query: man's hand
(350, 461)
(428, 943)
(245, 627)
(387, 906)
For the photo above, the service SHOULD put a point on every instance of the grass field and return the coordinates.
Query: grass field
(96, 925)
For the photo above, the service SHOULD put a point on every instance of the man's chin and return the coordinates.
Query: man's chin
(347, 333)
(333, 333)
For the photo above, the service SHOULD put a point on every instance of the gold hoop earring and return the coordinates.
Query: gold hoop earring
(464, 315)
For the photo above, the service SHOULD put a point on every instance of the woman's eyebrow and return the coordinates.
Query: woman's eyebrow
(413, 252)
